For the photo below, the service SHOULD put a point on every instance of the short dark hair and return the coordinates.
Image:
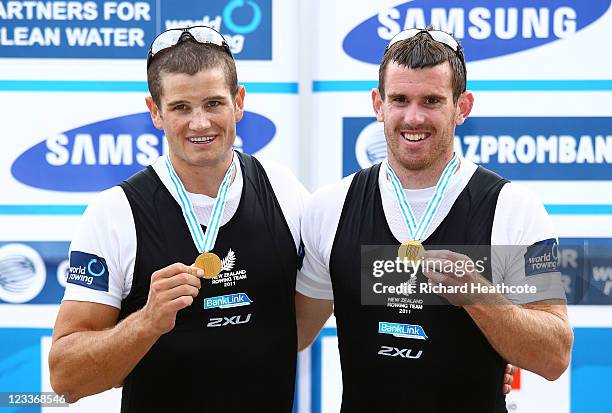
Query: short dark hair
(190, 57)
(419, 52)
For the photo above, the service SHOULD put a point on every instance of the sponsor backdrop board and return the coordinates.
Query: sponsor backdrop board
(503, 40)
(108, 136)
(541, 117)
(72, 88)
(109, 40)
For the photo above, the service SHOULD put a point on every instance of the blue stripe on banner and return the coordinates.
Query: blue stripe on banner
(271, 87)
(553, 209)
(124, 86)
(42, 209)
(479, 85)
(579, 209)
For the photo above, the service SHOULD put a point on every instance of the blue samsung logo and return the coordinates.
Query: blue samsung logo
(100, 155)
(227, 301)
(414, 331)
(486, 29)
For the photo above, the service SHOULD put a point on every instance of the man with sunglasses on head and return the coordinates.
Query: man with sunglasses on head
(136, 313)
(429, 358)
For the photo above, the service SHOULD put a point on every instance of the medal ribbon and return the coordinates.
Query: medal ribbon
(417, 230)
(204, 241)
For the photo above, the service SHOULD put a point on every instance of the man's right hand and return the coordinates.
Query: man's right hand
(172, 289)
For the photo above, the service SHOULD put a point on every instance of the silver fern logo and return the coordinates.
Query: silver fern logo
(227, 264)
(409, 286)
(371, 145)
(22, 273)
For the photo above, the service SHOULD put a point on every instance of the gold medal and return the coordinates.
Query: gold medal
(210, 263)
(410, 250)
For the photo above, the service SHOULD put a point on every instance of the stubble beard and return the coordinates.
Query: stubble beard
(438, 150)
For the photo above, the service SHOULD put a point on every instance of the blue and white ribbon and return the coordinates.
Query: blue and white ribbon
(417, 230)
(204, 242)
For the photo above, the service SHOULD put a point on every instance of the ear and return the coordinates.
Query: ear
(377, 103)
(239, 104)
(464, 107)
(155, 113)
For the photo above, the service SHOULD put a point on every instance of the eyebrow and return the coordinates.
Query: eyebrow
(395, 95)
(186, 102)
(435, 95)
(219, 97)
(177, 102)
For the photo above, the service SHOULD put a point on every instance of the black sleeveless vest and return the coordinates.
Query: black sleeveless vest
(455, 369)
(217, 359)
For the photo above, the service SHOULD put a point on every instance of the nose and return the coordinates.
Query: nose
(414, 115)
(199, 120)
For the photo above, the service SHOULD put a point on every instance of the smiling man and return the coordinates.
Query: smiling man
(178, 338)
(395, 357)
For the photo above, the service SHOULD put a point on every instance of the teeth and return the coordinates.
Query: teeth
(201, 139)
(413, 137)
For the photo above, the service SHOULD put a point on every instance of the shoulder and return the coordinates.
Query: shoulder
(279, 175)
(329, 199)
(109, 203)
(519, 196)
(288, 189)
(290, 193)
(520, 217)
(322, 215)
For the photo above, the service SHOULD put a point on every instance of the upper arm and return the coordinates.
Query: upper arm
(319, 225)
(525, 247)
(292, 196)
(312, 313)
(79, 316)
(102, 251)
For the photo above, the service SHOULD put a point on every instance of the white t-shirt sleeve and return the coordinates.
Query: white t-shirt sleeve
(319, 226)
(103, 251)
(292, 196)
(524, 246)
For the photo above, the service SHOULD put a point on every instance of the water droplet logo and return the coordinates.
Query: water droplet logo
(22, 273)
(371, 146)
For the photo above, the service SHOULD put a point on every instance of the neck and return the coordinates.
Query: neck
(420, 178)
(204, 180)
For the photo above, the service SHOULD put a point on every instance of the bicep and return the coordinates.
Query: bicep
(79, 316)
(312, 313)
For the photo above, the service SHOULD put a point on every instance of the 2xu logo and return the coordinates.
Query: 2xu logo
(226, 321)
(399, 352)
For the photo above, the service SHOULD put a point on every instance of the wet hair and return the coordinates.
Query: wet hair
(190, 57)
(419, 52)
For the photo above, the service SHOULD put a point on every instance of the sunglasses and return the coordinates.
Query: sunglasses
(437, 35)
(200, 34)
